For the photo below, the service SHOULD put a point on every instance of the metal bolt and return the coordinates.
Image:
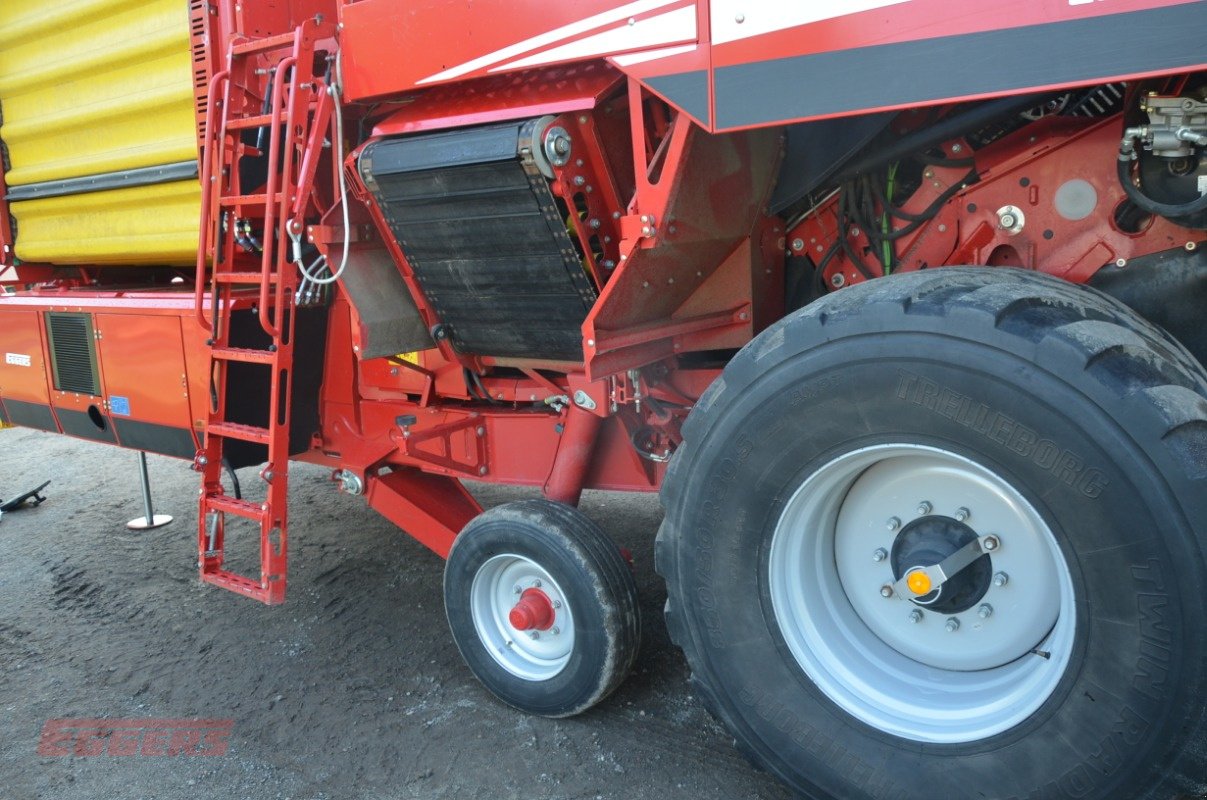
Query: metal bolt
(879, 555)
(838, 280)
(534, 635)
(536, 584)
(957, 148)
(924, 508)
(1190, 246)
(739, 18)
(985, 611)
(1008, 220)
(482, 470)
(555, 630)
(1001, 579)
(952, 625)
(481, 431)
(798, 244)
(1121, 263)
(557, 603)
(886, 590)
(962, 514)
(579, 180)
(893, 523)
(915, 616)
(518, 589)
(202, 460)
(990, 543)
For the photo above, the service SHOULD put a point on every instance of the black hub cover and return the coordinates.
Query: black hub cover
(928, 540)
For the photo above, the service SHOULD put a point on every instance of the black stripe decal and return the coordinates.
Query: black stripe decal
(142, 176)
(31, 415)
(155, 438)
(687, 90)
(958, 66)
(84, 425)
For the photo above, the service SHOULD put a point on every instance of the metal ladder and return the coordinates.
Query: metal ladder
(292, 120)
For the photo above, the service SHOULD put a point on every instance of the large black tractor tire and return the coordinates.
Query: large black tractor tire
(883, 428)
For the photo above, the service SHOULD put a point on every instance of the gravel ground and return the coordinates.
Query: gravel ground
(352, 689)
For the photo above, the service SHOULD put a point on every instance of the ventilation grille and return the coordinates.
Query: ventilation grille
(72, 352)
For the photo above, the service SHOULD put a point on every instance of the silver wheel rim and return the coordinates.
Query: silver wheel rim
(906, 674)
(492, 596)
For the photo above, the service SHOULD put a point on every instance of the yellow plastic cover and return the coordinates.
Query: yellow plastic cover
(91, 87)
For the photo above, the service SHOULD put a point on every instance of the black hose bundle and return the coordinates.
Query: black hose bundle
(1145, 203)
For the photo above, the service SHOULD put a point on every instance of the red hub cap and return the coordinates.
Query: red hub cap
(534, 612)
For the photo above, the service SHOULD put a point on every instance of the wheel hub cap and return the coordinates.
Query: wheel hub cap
(928, 541)
(534, 612)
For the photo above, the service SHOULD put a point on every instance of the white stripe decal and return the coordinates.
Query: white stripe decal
(673, 26)
(733, 20)
(652, 55)
(551, 37)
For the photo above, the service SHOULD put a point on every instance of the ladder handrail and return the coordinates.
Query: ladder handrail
(268, 257)
(214, 141)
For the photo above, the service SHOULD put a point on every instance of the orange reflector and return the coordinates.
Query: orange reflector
(918, 582)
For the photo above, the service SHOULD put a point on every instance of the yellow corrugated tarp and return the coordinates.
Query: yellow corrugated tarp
(92, 87)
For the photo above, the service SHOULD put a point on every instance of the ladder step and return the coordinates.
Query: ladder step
(243, 277)
(249, 199)
(243, 123)
(233, 505)
(246, 355)
(265, 44)
(273, 595)
(234, 430)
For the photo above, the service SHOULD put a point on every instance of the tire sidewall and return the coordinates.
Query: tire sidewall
(1102, 728)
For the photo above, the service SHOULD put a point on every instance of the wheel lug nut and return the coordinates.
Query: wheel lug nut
(985, 611)
(557, 603)
(952, 625)
(534, 635)
(1001, 579)
(893, 523)
(880, 554)
(555, 630)
(915, 616)
(924, 508)
(886, 590)
(518, 589)
(962, 514)
(536, 584)
(990, 543)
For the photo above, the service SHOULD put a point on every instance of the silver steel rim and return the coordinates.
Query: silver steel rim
(530, 655)
(888, 661)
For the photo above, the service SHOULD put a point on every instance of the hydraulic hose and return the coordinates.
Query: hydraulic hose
(1146, 203)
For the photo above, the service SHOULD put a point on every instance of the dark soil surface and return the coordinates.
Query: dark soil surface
(352, 689)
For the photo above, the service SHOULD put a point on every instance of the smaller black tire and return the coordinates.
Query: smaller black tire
(542, 606)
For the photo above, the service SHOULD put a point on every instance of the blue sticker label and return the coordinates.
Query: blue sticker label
(119, 405)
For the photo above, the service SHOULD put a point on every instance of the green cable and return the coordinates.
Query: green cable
(886, 223)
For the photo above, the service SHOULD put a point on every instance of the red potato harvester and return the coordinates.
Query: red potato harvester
(898, 303)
